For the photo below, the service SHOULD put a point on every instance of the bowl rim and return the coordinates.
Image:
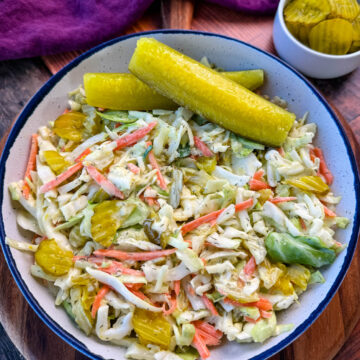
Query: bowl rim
(280, 13)
(48, 86)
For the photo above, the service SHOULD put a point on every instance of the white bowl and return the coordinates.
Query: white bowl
(229, 54)
(310, 62)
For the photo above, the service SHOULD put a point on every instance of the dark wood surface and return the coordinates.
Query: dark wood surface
(21, 78)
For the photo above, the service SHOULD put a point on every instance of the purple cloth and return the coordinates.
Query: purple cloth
(39, 27)
(254, 6)
(42, 27)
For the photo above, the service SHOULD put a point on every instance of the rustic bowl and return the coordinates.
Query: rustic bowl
(310, 62)
(230, 54)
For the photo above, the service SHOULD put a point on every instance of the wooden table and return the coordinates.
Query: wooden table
(20, 79)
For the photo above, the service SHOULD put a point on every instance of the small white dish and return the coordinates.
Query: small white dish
(310, 62)
(230, 54)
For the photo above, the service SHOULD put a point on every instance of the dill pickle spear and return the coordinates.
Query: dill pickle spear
(126, 92)
(251, 79)
(332, 36)
(209, 94)
(346, 9)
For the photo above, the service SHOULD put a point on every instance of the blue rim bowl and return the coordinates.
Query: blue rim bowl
(49, 85)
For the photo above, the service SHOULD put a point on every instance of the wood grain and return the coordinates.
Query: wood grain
(325, 337)
(177, 14)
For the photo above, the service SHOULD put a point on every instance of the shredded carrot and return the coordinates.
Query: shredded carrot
(98, 298)
(265, 314)
(262, 304)
(177, 284)
(137, 256)
(202, 147)
(151, 201)
(155, 165)
(133, 286)
(134, 137)
(85, 153)
(103, 182)
(258, 185)
(278, 200)
(191, 290)
(142, 296)
(324, 170)
(133, 168)
(250, 266)
(61, 178)
(281, 151)
(213, 216)
(328, 212)
(173, 306)
(251, 320)
(31, 165)
(208, 339)
(259, 174)
(302, 223)
(209, 305)
(203, 325)
(113, 268)
(199, 344)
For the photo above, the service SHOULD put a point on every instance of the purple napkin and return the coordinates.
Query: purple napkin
(41, 27)
(254, 6)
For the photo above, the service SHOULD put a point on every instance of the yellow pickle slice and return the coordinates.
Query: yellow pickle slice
(332, 36)
(306, 12)
(53, 259)
(346, 9)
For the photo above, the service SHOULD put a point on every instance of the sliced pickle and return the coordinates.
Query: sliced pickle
(306, 12)
(106, 221)
(152, 328)
(56, 162)
(356, 29)
(69, 126)
(312, 184)
(300, 31)
(53, 259)
(332, 36)
(346, 9)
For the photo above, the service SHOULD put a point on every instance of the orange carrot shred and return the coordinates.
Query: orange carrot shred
(31, 165)
(61, 178)
(278, 200)
(212, 216)
(324, 170)
(328, 212)
(134, 137)
(177, 284)
(202, 147)
(199, 344)
(209, 305)
(172, 307)
(155, 165)
(98, 298)
(103, 182)
(83, 155)
(137, 256)
(250, 266)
